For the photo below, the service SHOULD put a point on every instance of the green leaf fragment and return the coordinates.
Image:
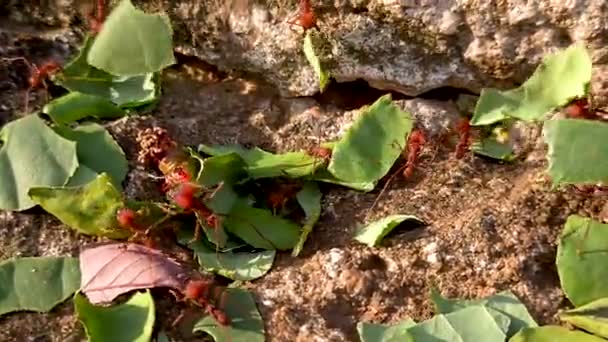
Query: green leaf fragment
(260, 229)
(226, 168)
(576, 153)
(234, 265)
(491, 148)
(90, 209)
(560, 78)
(246, 323)
(474, 323)
(132, 321)
(76, 106)
(263, 164)
(504, 303)
(370, 147)
(79, 76)
(592, 317)
(97, 150)
(325, 176)
(309, 199)
(37, 283)
(551, 333)
(581, 260)
(311, 55)
(132, 42)
(32, 155)
(369, 332)
(374, 232)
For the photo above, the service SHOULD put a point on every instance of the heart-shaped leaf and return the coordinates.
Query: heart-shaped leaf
(132, 321)
(90, 209)
(37, 284)
(370, 147)
(146, 47)
(32, 155)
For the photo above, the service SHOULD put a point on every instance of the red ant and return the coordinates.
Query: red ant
(582, 109)
(97, 16)
(320, 152)
(127, 219)
(415, 142)
(464, 131)
(38, 76)
(281, 194)
(203, 292)
(306, 17)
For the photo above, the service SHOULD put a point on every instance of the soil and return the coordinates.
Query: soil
(489, 226)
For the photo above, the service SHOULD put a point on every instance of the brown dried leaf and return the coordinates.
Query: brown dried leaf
(110, 270)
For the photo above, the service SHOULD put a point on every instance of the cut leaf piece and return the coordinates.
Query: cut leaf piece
(147, 47)
(374, 232)
(370, 147)
(505, 303)
(110, 270)
(227, 168)
(90, 209)
(32, 154)
(369, 332)
(76, 106)
(473, 323)
(491, 148)
(260, 229)
(325, 176)
(37, 284)
(577, 152)
(552, 333)
(246, 323)
(234, 265)
(309, 199)
(581, 260)
(97, 150)
(263, 164)
(132, 321)
(79, 76)
(311, 40)
(592, 317)
(560, 78)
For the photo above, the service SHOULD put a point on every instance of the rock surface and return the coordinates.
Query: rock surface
(410, 46)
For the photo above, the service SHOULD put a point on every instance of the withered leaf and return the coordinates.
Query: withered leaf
(110, 270)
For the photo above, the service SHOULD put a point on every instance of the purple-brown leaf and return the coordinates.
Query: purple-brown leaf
(110, 270)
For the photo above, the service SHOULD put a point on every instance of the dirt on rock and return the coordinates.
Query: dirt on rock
(489, 226)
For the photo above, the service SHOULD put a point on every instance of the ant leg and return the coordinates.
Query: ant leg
(197, 231)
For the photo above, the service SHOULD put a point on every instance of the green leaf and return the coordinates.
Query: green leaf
(581, 260)
(473, 323)
(263, 164)
(32, 155)
(132, 42)
(132, 321)
(246, 323)
(325, 176)
(370, 147)
(90, 209)
(310, 41)
(374, 232)
(506, 303)
(234, 265)
(97, 150)
(592, 317)
(260, 229)
(369, 332)
(37, 284)
(560, 78)
(79, 76)
(491, 148)
(577, 153)
(309, 199)
(227, 168)
(82, 176)
(76, 106)
(551, 333)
